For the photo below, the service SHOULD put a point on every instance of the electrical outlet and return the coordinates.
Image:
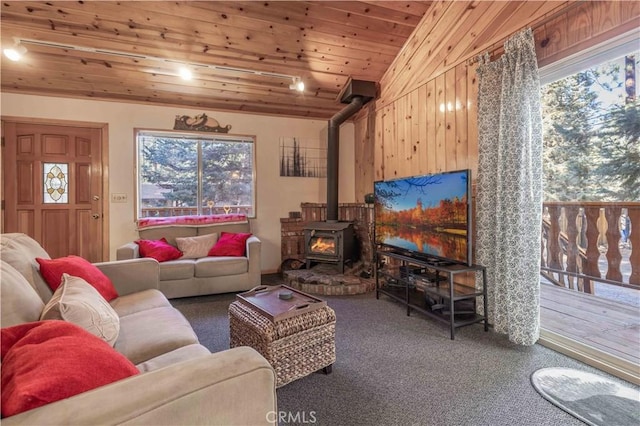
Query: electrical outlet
(118, 197)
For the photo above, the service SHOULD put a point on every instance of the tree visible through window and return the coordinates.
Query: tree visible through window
(186, 175)
(592, 132)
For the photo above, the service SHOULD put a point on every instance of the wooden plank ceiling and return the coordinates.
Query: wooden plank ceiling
(323, 42)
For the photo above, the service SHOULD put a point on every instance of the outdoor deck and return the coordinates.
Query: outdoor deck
(605, 325)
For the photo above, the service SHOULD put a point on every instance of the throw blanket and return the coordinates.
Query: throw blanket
(158, 222)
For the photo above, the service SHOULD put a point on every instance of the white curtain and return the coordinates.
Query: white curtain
(509, 188)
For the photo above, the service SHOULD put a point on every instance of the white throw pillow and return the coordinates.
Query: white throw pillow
(196, 247)
(78, 302)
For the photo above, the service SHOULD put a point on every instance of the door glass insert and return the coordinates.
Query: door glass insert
(55, 183)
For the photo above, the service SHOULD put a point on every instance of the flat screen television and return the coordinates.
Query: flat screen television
(427, 216)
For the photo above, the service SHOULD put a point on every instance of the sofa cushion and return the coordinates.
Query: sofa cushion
(139, 302)
(176, 270)
(20, 251)
(47, 361)
(170, 233)
(159, 250)
(181, 354)
(52, 270)
(196, 247)
(78, 302)
(221, 266)
(153, 332)
(19, 302)
(230, 244)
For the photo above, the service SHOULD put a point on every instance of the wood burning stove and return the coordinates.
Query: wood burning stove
(333, 241)
(329, 242)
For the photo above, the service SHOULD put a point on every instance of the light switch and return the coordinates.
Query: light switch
(118, 197)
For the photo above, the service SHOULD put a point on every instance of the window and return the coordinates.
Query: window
(192, 174)
(55, 183)
(591, 124)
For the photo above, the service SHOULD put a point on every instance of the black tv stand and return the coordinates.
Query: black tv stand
(438, 288)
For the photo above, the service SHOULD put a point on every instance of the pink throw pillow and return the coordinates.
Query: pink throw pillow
(159, 250)
(46, 361)
(52, 270)
(230, 244)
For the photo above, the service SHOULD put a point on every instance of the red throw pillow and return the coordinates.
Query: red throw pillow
(159, 250)
(52, 270)
(46, 361)
(230, 244)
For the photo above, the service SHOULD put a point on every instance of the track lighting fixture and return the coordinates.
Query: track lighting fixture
(184, 71)
(297, 84)
(15, 52)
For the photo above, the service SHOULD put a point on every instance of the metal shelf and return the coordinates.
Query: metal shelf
(430, 288)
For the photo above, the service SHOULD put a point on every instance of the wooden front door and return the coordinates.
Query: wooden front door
(53, 187)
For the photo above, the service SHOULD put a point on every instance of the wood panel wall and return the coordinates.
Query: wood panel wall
(425, 120)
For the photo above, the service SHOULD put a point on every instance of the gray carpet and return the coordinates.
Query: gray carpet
(397, 370)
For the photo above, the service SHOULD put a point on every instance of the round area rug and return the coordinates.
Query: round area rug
(593, 399)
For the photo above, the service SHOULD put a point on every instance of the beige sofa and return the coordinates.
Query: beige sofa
(206, 275)
(181, 382)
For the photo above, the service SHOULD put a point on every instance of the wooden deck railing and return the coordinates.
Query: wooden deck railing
(582, 239)
(185, 211)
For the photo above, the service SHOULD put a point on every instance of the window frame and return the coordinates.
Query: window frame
(200, 136)
(610, 49)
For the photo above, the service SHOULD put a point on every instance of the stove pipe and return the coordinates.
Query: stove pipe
(356, 93)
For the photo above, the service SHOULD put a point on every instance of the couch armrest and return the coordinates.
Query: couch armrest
(132, 276)
(233, 387)
(255, 261)
(128, 251)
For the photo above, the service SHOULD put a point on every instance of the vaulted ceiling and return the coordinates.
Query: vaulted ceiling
(244, 55)
(131, 51)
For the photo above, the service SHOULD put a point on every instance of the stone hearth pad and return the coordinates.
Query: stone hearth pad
(326, 280)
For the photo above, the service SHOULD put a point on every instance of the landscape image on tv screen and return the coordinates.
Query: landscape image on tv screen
(425, 214)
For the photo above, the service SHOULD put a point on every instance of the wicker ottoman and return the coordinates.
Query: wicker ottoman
(295, 346)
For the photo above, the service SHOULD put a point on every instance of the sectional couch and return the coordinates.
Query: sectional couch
(179, 380)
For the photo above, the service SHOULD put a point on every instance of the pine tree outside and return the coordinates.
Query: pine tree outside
(591, 134)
